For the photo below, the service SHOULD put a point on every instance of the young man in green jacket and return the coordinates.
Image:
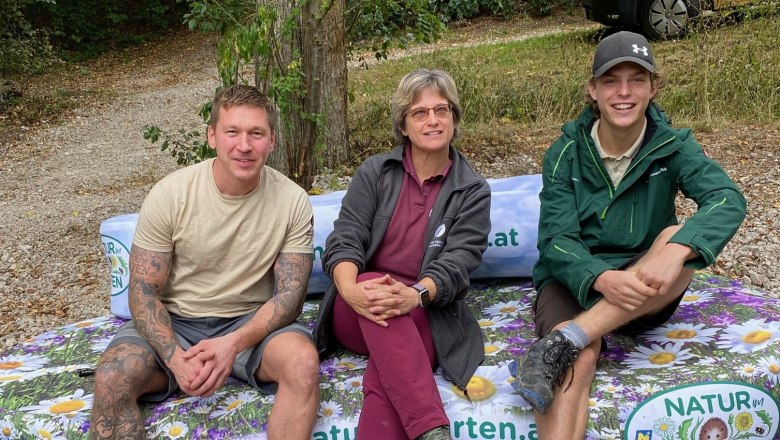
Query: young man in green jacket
(612, 256)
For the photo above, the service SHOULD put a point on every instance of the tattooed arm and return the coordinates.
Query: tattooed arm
(148, 274)
(291, 272)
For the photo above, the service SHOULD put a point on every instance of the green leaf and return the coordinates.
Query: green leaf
(682, 431)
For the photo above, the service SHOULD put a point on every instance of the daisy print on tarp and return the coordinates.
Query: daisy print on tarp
(21, 362)
(769, 367)
(7, 430)
(494, 323)
(233, 403)
(508, 308)
(752, 336)
(329, 410)
(495, 347)
(696, 297)
(173, 430)
(658, 356)
(68, 405)
(682, 333)
(45, 430)
(489, 393)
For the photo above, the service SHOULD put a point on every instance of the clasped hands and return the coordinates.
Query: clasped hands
(381, 298)
(653, 275)
(203, 368)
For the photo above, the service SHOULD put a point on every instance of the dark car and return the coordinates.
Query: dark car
(658, 19)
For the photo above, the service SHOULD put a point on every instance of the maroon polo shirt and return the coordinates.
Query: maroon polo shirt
(401, 251)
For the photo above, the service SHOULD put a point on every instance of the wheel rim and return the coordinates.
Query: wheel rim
(668, 17)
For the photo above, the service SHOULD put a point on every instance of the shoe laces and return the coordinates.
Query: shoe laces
(559, 357)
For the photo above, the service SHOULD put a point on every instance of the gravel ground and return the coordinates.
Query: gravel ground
(60, 181)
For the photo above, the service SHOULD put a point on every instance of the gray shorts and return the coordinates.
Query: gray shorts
(190, 331)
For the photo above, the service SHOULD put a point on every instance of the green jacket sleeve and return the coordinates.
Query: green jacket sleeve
(721, 206)
(561, 250)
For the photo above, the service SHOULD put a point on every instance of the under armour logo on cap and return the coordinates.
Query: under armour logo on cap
(622, 47)
(643, 49)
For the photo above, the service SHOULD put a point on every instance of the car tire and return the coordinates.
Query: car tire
(666, 19)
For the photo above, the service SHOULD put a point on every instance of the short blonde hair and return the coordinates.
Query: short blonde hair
(241, 94)
(408, 93)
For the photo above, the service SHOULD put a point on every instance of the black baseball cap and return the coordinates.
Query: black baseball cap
(620, 47)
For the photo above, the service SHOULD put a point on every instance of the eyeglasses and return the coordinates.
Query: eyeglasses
(420, 114)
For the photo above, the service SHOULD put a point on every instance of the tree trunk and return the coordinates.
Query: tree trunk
(313, 123)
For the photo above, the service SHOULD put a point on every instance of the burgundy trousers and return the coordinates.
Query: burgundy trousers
(400, 396)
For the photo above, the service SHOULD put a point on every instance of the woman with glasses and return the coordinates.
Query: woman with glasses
(412, 227)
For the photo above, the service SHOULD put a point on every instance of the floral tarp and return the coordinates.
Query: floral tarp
(713, 368)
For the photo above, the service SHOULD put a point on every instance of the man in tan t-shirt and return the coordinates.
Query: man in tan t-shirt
(219, 268)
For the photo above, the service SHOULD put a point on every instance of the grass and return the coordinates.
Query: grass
(728, 74)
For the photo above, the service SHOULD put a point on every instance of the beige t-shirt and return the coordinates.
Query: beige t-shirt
(616, 166)
(224, 247)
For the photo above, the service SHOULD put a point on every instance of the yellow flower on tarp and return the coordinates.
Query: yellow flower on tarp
(749, 337)
(63, 406)
(24, 362)
(494, 323)
(489, 388)
(233, 403)
(173, 430)
(329, 409)
(7, 431)
(681, 332)
(658, 356)
(493, 348)
(770, 367)
(697, 296)
(743, 421)
(44, 430)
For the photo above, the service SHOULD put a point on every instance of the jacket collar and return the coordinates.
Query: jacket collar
(460, 175)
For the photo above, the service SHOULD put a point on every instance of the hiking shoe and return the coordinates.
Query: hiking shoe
(437, 433)
(544, 367)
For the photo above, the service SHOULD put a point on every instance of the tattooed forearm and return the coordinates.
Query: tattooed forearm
(292, 271)
(148, 274)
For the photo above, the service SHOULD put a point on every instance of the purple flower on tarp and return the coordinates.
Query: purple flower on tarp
(219, 434)
(687, 314)
(616, 353)
(723, 319)
(713, 281)
(30, 349)
(515, 325)
(514, 351)
(198, 431)
(736, 283)
(84, 428)
(747, 300)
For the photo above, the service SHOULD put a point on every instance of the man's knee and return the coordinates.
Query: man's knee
(294, 362)
(304, 367)
(126, 368)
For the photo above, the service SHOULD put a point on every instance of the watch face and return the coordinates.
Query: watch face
(425, 295)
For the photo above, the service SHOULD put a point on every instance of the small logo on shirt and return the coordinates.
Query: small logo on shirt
(436, 242)
(660, 170)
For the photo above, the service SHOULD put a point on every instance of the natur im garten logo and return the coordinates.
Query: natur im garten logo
(118, 257)
(717, 410)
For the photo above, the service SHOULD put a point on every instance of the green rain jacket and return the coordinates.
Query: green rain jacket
(588, 226)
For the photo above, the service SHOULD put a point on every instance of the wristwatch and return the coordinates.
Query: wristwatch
(425, 295)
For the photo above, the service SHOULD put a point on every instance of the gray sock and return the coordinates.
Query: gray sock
(576, 335)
